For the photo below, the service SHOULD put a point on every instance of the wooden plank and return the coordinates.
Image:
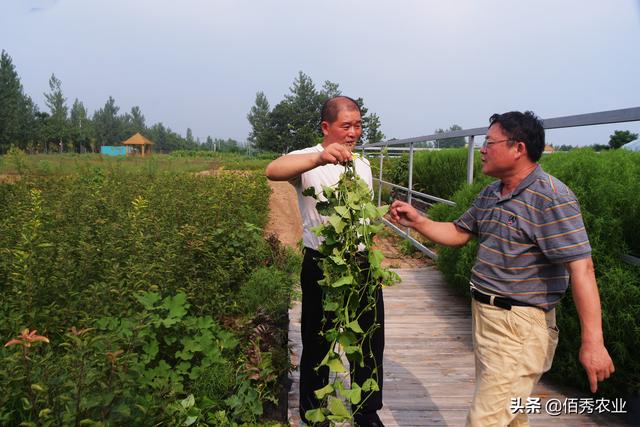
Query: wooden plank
(429, 365)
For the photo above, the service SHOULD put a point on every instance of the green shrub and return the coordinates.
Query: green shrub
(267, 288)
(438, 173)
(607, 186)
(456, 263)
(17, 159)
(117, 254)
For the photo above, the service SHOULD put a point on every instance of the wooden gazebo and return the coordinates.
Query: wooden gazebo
(138, 142)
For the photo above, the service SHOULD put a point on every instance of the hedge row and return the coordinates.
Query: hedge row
(151, 290)
(438, 173)
(607, 185)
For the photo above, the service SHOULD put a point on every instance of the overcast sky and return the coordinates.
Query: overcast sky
(420, 65)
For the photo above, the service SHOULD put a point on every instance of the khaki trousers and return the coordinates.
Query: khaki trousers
(513, 348)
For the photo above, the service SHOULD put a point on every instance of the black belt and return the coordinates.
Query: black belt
(501, 302)
(314, 253)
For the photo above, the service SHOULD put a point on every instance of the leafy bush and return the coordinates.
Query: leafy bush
(438, 173)
(456, 263)
(268, 288)
(135, 278)
(607, 186)
(233, 161)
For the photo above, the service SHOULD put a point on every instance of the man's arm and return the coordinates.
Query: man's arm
(593, 354)
(290, 166)
(442, 233)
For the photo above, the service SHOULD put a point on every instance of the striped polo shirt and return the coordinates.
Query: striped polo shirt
(525, 238)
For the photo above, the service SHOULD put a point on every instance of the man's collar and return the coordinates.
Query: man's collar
(536, 173)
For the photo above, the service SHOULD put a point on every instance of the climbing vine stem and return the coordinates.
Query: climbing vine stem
(353, 276)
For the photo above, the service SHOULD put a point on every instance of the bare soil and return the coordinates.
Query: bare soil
(10, 178)
(285, 223)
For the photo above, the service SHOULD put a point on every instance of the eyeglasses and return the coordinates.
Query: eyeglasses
(487, 142)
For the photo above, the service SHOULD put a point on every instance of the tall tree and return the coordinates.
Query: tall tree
(137, 120)
(294, 123)
(455, 142)
(621, 137)
(303, 127)
(80, 127)
(189, 137)
(57, 129)
(261, 136)
(17, 111)
(208, 144)
(329, 90)
(165, 139)
(107, 124)
(373, 133)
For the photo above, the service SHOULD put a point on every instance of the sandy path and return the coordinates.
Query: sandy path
(284, 216)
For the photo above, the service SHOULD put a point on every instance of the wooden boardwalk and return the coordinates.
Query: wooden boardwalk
(428, 363)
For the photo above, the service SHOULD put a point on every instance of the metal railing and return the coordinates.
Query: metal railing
(589, 119)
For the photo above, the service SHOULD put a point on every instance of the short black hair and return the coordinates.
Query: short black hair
(525, 127)
(332, 106)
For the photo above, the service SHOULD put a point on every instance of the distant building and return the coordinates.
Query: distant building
(632, 146)
(109, 150)
(138, 145)
(548, 149)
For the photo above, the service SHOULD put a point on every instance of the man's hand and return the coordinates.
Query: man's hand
(334, 154)
(597, 362)
(593, 354)
(290, 166)
(442, 233)
(404, 214)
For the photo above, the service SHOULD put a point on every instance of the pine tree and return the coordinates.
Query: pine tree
(17, 111)
(57, 128)
(107, 124)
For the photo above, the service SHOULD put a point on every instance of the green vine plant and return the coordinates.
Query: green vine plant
(352, 277)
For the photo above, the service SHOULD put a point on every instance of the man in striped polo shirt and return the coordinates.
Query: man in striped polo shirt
(532, 243)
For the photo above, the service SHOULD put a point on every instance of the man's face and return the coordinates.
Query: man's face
(346, 129)
(498, 156)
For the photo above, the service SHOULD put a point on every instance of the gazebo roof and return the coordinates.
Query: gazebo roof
(137, 139)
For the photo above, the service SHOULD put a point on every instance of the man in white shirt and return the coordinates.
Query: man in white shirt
(341, 124)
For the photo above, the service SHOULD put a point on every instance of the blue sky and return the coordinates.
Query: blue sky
(420, 65)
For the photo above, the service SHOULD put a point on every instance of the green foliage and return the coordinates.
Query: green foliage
(131, 275)
(18, 159)
(18, 124)
(371, 129)
(259, 118)
(294, 123)
(455, 142)
(107, 124)
(57, 128)
(456, 262)
(621, 137)
(125, 370)
(439, 173)
(351, 281)
(72, 163)
(607, 185)
(268, 288)
(21, 123)
(233, 161)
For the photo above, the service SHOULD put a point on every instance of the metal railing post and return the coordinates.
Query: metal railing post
(470, 159)
(410, 183)
(380, 177)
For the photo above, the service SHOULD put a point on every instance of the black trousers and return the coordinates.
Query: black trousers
(315, 347)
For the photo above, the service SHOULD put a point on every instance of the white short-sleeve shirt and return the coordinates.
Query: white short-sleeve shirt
(327, 175)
